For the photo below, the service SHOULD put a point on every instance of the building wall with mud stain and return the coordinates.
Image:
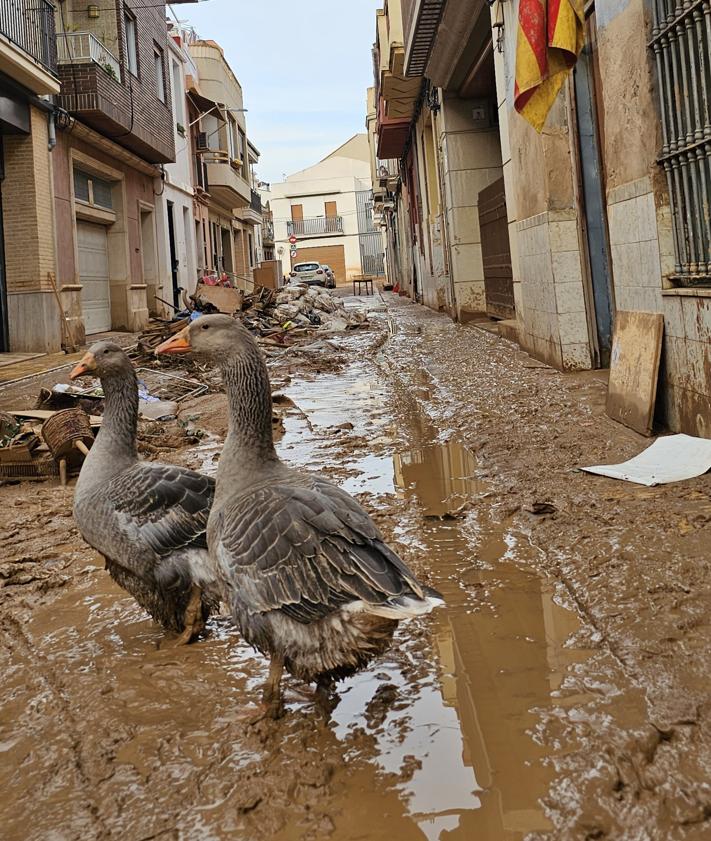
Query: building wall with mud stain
(640, 217)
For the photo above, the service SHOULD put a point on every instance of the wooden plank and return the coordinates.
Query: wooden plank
(634, 369)
(43, 414)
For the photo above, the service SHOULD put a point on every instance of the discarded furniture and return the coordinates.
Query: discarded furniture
(360, 280)
(65, 433)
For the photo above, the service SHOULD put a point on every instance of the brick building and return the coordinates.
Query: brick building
(117, 130)
(29, 315)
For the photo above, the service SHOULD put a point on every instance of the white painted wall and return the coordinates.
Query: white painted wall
(337, 178)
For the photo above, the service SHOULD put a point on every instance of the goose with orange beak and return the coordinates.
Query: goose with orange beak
(148, 520)
(309, 579)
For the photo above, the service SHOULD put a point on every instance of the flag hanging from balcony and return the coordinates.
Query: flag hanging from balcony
(550, 37)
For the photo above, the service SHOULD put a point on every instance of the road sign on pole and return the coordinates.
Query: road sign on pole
(293, 252)
(292, 239)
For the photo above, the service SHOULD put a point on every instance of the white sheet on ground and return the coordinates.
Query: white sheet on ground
(669, 459)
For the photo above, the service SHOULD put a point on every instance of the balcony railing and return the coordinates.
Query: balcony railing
(256, 202)
(29, 24)
(83, 47)
(267, 231)
(318, 226)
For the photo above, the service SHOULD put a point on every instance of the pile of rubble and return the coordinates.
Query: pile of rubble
(282, 317)
(309, 306)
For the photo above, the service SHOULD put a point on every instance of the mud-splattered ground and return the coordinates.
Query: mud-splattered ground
(562, 694)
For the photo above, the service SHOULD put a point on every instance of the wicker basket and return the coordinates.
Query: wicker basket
(63, 429)
(41, 467)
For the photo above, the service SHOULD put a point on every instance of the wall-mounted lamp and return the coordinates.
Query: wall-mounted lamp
(93, 12)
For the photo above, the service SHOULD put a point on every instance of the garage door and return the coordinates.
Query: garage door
(94, 277)
(331, 255)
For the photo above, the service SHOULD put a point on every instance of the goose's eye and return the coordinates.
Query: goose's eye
(106, 350)
(205, 326)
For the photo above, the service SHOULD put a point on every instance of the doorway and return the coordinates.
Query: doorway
(496, 251)
(592, 194)
(4, 322)
(173, 257)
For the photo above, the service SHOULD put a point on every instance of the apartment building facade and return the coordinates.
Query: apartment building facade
(29, 317)
(606, 209)
(321, 208)
(224, 161)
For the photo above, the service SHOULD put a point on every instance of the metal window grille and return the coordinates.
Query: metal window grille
(681, 41)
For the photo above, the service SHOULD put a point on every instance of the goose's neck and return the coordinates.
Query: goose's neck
(249, 448)
(115, 445)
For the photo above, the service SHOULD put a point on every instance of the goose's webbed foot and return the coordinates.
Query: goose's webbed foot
(193, 623)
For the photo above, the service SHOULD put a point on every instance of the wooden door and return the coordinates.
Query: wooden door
(297, 213)
(496, 251)
(331, 209)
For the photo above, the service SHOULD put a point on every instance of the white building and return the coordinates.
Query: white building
(327, 208)
(177, 250)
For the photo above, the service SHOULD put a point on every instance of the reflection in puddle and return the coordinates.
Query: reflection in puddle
(455, 741)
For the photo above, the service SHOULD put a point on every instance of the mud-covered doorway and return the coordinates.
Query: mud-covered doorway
(496, 251)
(591, 188)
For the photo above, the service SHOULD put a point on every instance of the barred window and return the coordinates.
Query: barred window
(681, 40)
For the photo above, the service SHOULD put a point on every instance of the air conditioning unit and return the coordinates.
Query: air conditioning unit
(202, 144)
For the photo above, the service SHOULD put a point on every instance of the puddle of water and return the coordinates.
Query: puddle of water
(455, 745)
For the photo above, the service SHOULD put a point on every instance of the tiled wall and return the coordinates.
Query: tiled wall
(642, 258)
(554, 321)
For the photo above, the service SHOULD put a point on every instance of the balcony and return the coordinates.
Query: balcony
(95, 89)
(28, 51)
(318, 226)
(392, 134)
(84, 48)
(252, 214)
(225, 184)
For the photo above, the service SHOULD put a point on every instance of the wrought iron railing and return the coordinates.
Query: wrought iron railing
(29, 24)
(256, 202)
(681, 41)
(316, 226)
(83, 47)
(267, 230)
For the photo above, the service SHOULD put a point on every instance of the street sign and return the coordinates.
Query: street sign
(293, 252)
(292, 239)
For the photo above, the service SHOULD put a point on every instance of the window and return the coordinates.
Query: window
(251, 251)
(685, 102)
(92, 190)
(159, 74)
(131, 48)
(231, 145)
(178, 95)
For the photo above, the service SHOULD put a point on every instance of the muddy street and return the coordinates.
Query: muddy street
(560, 694)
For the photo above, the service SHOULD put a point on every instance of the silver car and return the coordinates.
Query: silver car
(310, 274)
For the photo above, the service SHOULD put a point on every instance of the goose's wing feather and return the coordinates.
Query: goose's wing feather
(307, 550)
(164, 506)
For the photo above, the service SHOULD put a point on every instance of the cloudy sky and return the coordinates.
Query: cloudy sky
(304, 69)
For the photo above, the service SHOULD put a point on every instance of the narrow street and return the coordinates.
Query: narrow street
(559, 695)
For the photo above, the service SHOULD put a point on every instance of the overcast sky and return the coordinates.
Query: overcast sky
(304, 68)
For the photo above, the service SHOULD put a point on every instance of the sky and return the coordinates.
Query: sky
(304, 68)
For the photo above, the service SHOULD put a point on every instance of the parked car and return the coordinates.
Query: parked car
(310, 274)
(330, 276)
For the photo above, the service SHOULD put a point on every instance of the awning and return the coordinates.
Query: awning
(204, 105)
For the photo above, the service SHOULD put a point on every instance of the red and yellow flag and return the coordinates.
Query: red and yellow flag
(550, 37)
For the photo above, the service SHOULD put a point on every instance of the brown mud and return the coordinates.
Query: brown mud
(561, 694)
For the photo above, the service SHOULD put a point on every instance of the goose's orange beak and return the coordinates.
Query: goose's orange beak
(86, 365)
(179, 343)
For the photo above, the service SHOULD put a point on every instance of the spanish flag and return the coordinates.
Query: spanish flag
(550, 37)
